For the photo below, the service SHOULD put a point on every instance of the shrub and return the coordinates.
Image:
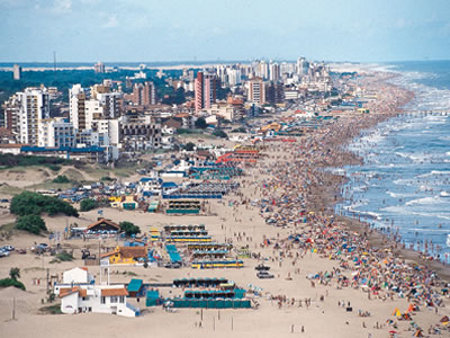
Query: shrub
(189, 146)
(107, 178)
(31, 203)
(64, 256)
(239, 130)
(88, 204)
(14, 273)
(220, 133)
(129, 228)
(61, 179)
(31, 223)
(6, 282)
(54, 167)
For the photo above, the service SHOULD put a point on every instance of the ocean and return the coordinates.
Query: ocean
(404, 184)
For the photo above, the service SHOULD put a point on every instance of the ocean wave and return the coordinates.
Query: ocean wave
(435, 173)
(398, 195)
(427, 230)
(425, 200)
(404, 210)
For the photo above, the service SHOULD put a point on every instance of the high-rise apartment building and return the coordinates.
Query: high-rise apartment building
(56, 133)
(11, 112)
(257, 91)
(17, 72)
(144, 94)
(77, 106)
(274, 72)
(99, 67)
(205, 90)
(34, 107)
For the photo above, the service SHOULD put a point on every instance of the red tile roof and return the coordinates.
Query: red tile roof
(114, 292)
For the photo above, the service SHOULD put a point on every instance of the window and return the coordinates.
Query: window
(122, 299)
(103, 300)
(113, 299)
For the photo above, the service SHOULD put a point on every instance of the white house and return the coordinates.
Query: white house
(77, 276)
(97, 298)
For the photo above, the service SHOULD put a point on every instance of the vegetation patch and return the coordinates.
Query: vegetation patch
(12, 280)
(10, 160)
(31, 223)
(54, 309)
(64, 256)
(31, 203)
(61, 179)
(88, 204)
(129, 228)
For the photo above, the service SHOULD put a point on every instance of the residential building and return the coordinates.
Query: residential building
(77, 107)
(97, 298)
(257, 91)
(99, 67)
(111, 104)
(205, 90)
(56, 133)
(139, 133)
(17, 72)
(11, 113)
(274, 72)
(144, 94)
(34, 107)
(274, 93)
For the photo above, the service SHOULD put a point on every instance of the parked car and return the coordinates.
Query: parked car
(42, 246)
(264, 275)
(7, 248)
(262, 267)
(4, 253)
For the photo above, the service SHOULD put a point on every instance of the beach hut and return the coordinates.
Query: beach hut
(103, 226)
(136, 288)
(126, 255)
(129, 203)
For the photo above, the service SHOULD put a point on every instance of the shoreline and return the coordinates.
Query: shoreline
(375, 237)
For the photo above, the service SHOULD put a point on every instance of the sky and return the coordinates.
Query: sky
(220, 30)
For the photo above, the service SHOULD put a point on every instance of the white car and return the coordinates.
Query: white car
(4, 253)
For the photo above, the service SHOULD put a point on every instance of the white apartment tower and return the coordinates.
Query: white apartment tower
(34, 107)
(77, 102)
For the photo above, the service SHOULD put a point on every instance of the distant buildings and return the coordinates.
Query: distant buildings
(103, 122)
(17, 72)
(99, 67)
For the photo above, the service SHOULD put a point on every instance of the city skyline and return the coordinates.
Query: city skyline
(149, 31)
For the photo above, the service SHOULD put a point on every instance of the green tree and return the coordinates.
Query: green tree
(201, 123)
(88, 204)
(14, 273)
(31, 223)
(129, 228)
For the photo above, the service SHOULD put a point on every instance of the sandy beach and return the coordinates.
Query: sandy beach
(283, 214)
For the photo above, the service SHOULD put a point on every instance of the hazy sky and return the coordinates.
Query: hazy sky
(174, 30)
